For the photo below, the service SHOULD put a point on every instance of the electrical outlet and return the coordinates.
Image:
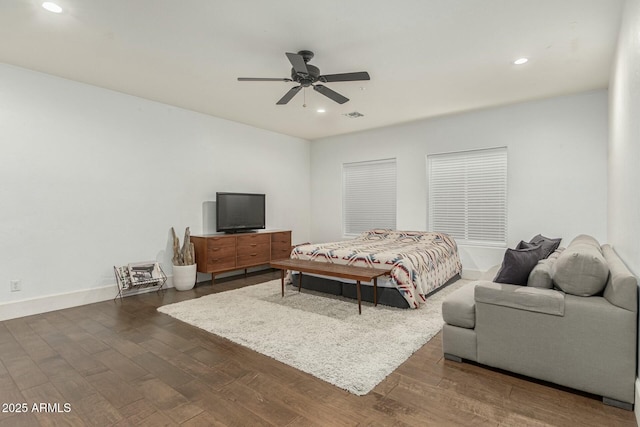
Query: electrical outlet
(15, 285)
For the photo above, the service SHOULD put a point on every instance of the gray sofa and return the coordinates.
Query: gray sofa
(574, 325)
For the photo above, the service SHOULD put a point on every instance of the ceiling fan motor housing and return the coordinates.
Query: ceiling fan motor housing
(306, 79)
(306, 55)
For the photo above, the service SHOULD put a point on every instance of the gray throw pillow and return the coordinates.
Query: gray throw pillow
(517, 265)
(526, 245)
(548, 245)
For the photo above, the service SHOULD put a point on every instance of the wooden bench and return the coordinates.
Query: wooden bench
(359, 274)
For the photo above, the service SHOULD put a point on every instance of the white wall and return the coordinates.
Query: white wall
(624, 147)
(93, 178)
(624, 141)
(557, 178)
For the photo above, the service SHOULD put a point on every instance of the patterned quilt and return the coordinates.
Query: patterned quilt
(422, 261)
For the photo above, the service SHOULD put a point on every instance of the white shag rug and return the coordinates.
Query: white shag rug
(320, 334)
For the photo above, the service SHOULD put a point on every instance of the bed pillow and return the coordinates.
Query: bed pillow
(410, 236)
(548, 245)
(376, 234)
(517, 265)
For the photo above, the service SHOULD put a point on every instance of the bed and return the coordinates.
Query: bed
(422, 263)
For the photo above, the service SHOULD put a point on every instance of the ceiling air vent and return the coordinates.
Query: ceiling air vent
(354, 115)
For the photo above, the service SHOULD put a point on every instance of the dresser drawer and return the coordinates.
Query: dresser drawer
(283, 237)
(252, 240)
(220, 242)
(221, 252)
(253, 258)
(279, 246)
(257, 248)
(282, 253)
(221, 263)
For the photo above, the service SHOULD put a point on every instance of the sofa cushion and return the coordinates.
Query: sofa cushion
(540, 276)
(547, 301)
(581, 270)
(586, 239)
(548, 245)
(517, 264)
(459, 308)
(556, 253)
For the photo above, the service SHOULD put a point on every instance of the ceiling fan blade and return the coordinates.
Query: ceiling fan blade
(297, 61)
(262, 79)
(345, 77)
(287, 96)
(330, 94)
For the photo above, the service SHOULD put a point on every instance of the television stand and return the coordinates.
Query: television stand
(221, 253)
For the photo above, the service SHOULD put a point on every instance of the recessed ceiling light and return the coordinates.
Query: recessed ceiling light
(321, 110)
(52, 7)
(521, 61)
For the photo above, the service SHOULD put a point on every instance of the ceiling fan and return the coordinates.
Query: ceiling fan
(309, 75)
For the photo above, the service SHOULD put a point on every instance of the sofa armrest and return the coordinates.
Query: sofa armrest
(547, 301)
(622, 286)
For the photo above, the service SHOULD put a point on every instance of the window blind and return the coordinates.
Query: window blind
(369, 196)
(468, 195)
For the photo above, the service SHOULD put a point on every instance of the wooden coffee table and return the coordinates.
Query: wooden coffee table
(364, 274)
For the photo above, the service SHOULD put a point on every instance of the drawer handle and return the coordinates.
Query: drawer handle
(254, 244)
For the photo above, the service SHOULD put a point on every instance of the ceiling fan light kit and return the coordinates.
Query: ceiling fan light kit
(307, 75)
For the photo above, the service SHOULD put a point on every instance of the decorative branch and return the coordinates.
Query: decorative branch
(185, 255)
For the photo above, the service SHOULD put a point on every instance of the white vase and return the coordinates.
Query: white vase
(184, 277)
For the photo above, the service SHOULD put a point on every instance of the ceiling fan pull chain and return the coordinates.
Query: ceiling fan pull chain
(304, 94)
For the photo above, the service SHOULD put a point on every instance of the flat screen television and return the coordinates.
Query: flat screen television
(238, 212)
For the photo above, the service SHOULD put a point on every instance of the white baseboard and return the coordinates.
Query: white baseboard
(47, 303)
(636, 410)
(44, 304)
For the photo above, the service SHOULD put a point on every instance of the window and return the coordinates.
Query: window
(369, 196)
(468, 195)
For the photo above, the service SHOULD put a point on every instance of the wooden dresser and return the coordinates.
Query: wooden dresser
(218, 253)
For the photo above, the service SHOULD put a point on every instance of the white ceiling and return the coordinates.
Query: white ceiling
(425, 57)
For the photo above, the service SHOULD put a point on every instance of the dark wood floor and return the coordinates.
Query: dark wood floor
(126, 364)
